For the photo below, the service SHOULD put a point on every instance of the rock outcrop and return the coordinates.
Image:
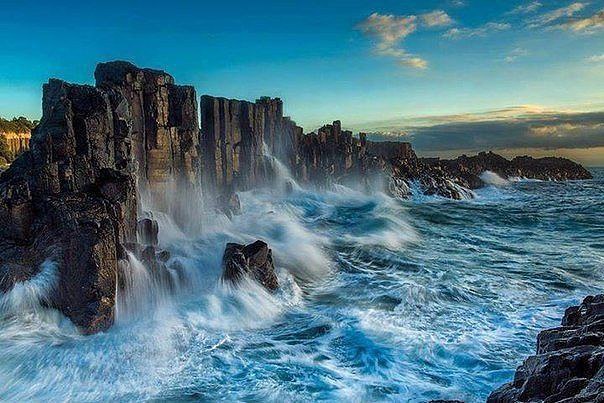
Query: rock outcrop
(254, 260)
(99, 155)
(67, 200)
(569, 362)
(103, 156)
(159, 121)
(237, 137)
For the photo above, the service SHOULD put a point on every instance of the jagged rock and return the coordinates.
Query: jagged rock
(164, 132)
(66, 201)
(255, 260)
(230, 204)
(569, 364)
(147, 230)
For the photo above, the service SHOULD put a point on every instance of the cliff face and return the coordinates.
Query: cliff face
(67, 200)
(103, 155)
(97, 157)
(235, 138)
(160, 121)
(17, 142)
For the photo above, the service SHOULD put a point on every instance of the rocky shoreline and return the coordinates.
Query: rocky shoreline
(104, 157)
(569, 362)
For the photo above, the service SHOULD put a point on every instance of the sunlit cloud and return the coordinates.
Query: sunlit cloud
(437, 18)
(515, 54)
(596, 58)
(483, 30)
(526, 8)
(589, 24)
(554, 16)
(516, 127)
(389, 32)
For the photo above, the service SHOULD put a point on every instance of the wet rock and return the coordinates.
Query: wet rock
(229, 204)
(569, 363)
(147, 230)
(255, 260)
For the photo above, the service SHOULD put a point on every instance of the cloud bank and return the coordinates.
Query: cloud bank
(504, 129)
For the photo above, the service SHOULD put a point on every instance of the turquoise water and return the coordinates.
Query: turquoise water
(380, 300)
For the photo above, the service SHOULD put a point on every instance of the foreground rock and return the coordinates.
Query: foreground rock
(254, 260)
(75, 196)
(569, 364)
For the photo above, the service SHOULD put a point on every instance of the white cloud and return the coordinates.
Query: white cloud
(596, 58)
(555, 15)
(586, 25)
(526, 8)
(515, 54)
(389, 31)
(457, 33)
(437, 18)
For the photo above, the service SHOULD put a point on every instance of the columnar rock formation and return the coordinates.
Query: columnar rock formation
(163, 137)
(569, 362)
(103, 155)
(67, 200)
(237, 135)
(17, 142)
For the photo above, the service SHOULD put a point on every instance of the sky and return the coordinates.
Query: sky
(444, 74)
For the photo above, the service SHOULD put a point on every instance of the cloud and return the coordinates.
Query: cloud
(515, 54)
(555, 15)
(526, 8)
(389, 32)
(504, 129)
(458, 3)
(586, 25)
(596, 58)
(437, 18)
(484, 30)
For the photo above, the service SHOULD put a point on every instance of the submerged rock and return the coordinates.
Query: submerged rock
(569, 364)
(254, 260)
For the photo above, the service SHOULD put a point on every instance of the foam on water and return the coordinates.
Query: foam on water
(380, 300)
(491, 178)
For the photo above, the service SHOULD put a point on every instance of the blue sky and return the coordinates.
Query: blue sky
(358, 61)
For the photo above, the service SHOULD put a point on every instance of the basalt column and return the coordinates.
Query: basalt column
(165, 132)
(69, 201)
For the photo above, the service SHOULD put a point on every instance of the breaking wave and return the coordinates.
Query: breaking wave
(380, 299)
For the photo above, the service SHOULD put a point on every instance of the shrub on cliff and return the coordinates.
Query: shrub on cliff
(17, 125)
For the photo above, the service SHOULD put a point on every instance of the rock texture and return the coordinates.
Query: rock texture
(236, 139)
(254, 260)
(163, 135)
(569, 362)
(65, 199)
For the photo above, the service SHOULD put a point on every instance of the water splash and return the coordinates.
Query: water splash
(491, 178)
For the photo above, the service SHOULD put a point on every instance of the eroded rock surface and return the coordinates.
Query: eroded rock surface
(254, 260)
(569, 362)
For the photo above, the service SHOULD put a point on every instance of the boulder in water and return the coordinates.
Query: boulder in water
(254, 260)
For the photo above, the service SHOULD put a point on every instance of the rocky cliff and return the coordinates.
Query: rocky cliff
(102, 156)
(569, 361)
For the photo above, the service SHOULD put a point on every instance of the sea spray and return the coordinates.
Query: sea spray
(31, 295)
(493, 179)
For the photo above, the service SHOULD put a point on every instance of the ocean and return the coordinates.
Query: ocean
(380, 300)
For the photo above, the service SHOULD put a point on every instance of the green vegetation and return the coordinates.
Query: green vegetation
(17, 125)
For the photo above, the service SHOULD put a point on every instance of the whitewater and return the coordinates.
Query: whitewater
(380, 299)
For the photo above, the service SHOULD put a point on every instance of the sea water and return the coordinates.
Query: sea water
(380, 300)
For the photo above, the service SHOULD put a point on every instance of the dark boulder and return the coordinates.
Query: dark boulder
(569, 363)
(147, 230)
(254, 260)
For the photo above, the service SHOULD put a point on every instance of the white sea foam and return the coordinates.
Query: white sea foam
(491, 178)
